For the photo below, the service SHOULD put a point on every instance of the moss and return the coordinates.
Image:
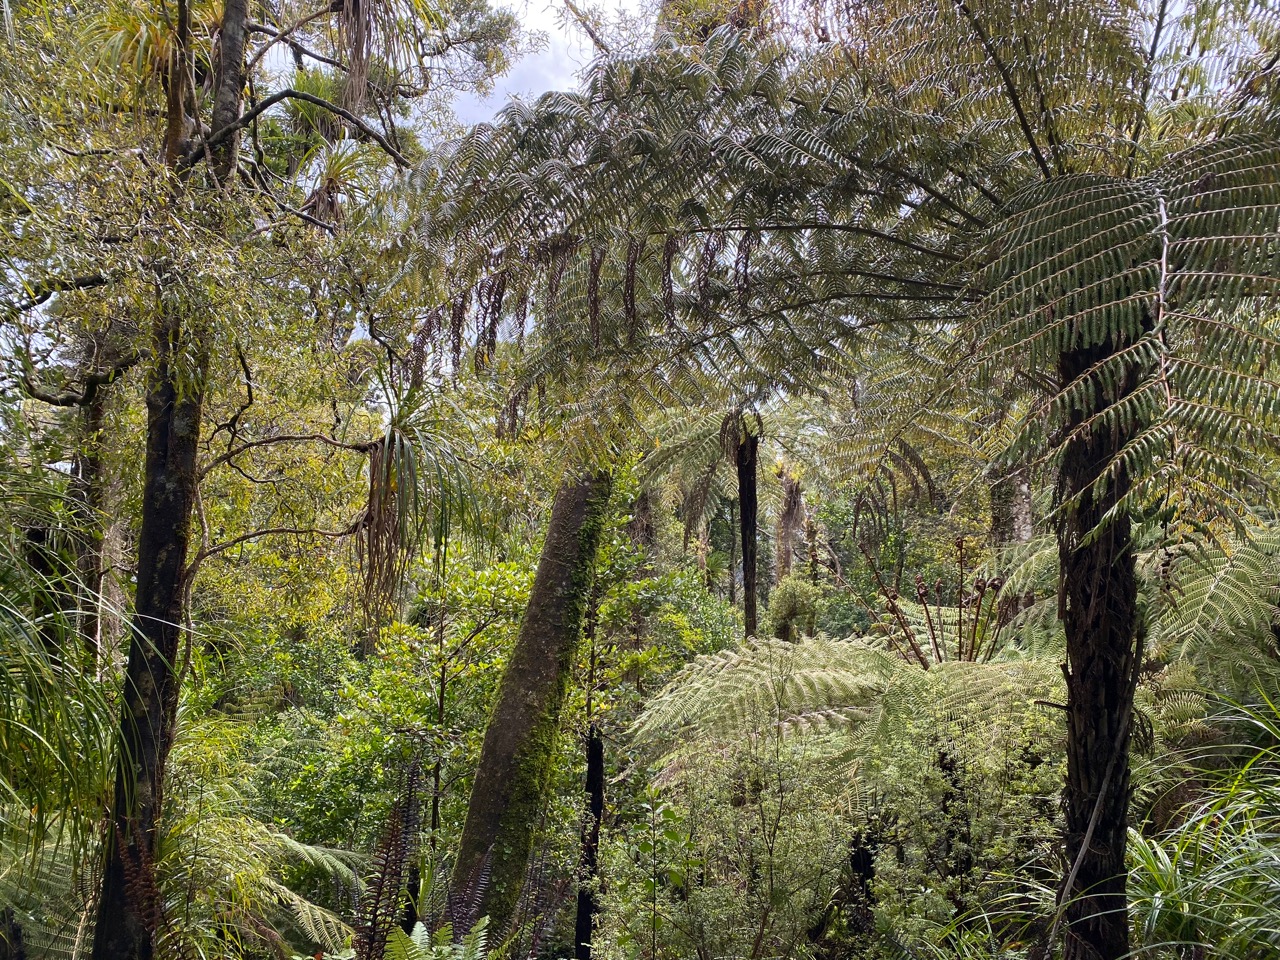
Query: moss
(513, 775)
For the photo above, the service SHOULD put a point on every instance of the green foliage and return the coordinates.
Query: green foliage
(886, 255)
(1207, 887)
(793, 608)
(422, 944)
(735, 863)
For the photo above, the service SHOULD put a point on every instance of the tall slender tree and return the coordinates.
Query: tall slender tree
(173, 211)
(129, 904)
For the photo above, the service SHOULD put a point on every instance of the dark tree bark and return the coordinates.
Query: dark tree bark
(229, 85)
(11, 947)
(129, 905)
(413, 883)
(1099, 614)
(588, 901)
(512, 775)
(745, 456)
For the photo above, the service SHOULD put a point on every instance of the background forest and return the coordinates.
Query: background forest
(807, 492)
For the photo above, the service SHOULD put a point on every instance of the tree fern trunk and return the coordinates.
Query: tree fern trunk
(1011, 523)
(90, 500)
(129, 905)
(733, 553)
(511, 778)
(1098, 607)
(745, 456)
(588, 901)
(1011, 509)
(790, 522)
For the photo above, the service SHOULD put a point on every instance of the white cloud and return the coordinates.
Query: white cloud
(555, 65)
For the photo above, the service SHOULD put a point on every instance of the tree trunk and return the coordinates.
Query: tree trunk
(1011, 509)
(733, 553)
(129, 905)
(745, 456)
(790, 520)
(512, 775)
(11, 947)
(1011, 524)
(1098, 607)
(91, 500)
(588, 901)
(229, 85)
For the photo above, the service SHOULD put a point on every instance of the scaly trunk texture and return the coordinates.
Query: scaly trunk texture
(790, 522)
(588, 902)
(129, 906)
(1099, 614)
(511, 777)
(745, 456)
(1011, 509)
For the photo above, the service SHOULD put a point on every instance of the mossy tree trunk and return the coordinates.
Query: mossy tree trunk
(512, 776)
(790, 522)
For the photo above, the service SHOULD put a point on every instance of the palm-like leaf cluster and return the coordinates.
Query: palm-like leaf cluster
(954, 188)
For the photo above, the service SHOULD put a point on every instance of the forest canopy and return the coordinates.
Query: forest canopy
(805, 490)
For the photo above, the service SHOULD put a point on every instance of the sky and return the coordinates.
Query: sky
(553, 66)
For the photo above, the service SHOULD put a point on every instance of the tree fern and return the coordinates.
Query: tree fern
(422, 944)
(1093, 220)
(821, 684)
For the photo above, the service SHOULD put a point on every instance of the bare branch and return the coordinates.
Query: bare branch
(287, 438)
(218, 136)
(223, 547)
(581, 18)
(72, 398)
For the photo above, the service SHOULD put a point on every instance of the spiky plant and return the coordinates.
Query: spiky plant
(55, 717)
(1209, 887)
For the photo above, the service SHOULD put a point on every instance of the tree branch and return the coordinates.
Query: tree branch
(42, 291)
(71, 398)
(223, 547)
(285, 34)
(285, 37)
(286, 438)
(218, 136)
